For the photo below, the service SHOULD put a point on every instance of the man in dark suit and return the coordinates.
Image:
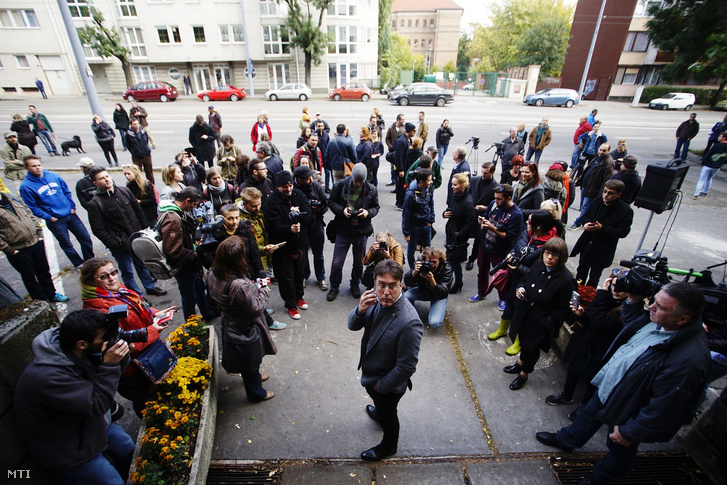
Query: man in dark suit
(482, 190)
(606, 221)
(389, 351)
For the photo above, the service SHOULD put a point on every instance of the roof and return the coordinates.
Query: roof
(423, 5)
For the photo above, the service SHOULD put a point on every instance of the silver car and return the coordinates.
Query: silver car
(289, 91)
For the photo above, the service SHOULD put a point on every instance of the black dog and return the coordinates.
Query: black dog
(75, 143)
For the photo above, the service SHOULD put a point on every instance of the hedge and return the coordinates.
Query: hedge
(703, 95)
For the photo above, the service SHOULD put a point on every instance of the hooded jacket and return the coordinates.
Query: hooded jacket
(62, 401)
(177, 230)
(369, 200)
(47, 196)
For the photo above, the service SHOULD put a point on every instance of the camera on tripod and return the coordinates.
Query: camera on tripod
(475, 142)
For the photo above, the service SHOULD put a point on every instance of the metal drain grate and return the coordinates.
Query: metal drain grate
(243, 475)
(672, 469)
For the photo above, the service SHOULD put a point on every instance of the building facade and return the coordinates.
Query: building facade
(204, 39)
(431, 27)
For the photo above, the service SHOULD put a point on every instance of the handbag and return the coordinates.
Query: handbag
(347, 168)
(499, 281)
(332, 230)
(457, 252)
(156, 361)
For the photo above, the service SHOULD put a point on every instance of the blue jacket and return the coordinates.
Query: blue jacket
(340, 151)
(138, 143)
(591, 142)
(47, 196)
(418, 210)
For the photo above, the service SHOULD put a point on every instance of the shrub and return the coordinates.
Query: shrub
(702, 95)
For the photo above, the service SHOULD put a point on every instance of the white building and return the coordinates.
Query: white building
(170, 38)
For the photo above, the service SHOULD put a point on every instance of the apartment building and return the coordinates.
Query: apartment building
(204, 39)
(431, 27)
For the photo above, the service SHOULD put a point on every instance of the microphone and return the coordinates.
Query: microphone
(628, 263)
(262, 279)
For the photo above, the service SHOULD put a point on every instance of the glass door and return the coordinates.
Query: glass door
(278, 75)
(222, 74)
(202, 78)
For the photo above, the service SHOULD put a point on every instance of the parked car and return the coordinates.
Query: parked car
(289, 91)
(468, 87)
(683, 101)
(400, 88)
(553, 97)
(422, 93)
(721, 105)
(222, 93)
(352, 90)
(151, 90)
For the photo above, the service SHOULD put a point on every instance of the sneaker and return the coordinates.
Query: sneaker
(390, 184)
(501, 305)
(695, 197)
(305, 283)
(332, 295)
(156, 292)
(574, 414)
(302, 304)
(355, 291)
(574, 227)
(560, 398)
(58, 298)
(276, 325)
(400, 207)
(475, 298)
(117, 411)
(294, 314)
(270, 311)
(323, 284)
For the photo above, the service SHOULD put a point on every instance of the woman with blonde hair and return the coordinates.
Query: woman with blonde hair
(143, 191)
(461, 225)
(172, 177)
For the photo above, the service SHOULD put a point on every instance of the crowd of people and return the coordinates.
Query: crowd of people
(272, 214)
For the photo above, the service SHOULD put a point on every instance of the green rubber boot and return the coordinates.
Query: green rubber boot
(514, 348)
(501, 331)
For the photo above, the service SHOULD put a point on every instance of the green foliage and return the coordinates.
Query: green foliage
(106, 42)
(384, 29)
(523, 32)
(701, 95)
(449, 67)
(397, 58)
(305, 31)
(463, 58)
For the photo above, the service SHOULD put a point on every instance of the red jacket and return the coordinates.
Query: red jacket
(584, 128)
(254, 134)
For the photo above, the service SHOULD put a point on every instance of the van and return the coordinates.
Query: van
(683, 101)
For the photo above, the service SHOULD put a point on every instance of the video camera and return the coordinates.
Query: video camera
(209, 230)
(296, 216)
(116, 313)
(475, 142)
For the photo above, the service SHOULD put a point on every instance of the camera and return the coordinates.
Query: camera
(426, 267)
(116, 313)
(355, 212)
(511, 260)
(475, 142)
(383, 246)
(316, 204)
(641, 278)
(296, 216)
(209, 230)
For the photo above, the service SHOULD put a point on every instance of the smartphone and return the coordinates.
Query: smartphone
(575, 300)
(280, 245)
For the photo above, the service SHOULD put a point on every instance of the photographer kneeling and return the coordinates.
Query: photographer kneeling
(102, 289)
(385, 247)
(430, 280)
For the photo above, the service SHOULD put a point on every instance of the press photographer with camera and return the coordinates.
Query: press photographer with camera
(650, 384)
(63, 397)
(102, 289)
(418, 215)
(303, 181)
(385, 247)
(430, 279)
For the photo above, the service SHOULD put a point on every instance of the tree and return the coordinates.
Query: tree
(306, 32)
(524, 32)
(106, 42)
(384, 29)
(463, 58)
(694, 31)
(398, 57)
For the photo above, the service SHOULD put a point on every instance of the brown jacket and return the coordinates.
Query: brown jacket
(544, 140)
(13, 160)
(20, 230)
(176, 231)
(395, 251)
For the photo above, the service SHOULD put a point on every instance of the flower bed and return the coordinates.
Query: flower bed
(173, 447)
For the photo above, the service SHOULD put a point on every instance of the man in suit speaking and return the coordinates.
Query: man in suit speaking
(389, 351)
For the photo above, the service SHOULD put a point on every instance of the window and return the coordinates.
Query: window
(163, 35)
(22, 62)
(89, 52)
(275, 39)
(342, 7)
(224, 33)
(424, 42)
(416, 43)
(268, 7)
(135, 41)
(636, 42)
(127, 7)
(429, 46)
(199, 35)
(343, 40)
(649, 75)
(18, 18)
(79, 8)
(409, 23)
(417, 23)
(176, 36)
(237, 33)
(431, 23)
(145, 73)
(402, 23)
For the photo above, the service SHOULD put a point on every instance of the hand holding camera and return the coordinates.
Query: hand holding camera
(115, 353)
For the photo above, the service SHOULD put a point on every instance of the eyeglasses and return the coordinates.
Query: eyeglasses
(105, 276)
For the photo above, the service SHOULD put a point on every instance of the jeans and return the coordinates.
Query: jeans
(72, 223)
(619, 458)
(126, 265)
(437, 308)
(253, 386)
(32, 265)
(484, 262)
(145, 165)
(705, 181)
(682, 145)
(329, 178)
(442, 153)
(532, 152)
(418, 236)
(98, 470)
(585, 204)
(47, 139)
(387, 416)
(192, 290)
(122, 133)
(574, 158)
(316, 240)
(340, 250)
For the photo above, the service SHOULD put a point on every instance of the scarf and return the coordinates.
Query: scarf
(218, 191)
(541, 130)
(124, 294)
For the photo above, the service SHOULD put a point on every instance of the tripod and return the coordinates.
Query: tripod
(476, 149)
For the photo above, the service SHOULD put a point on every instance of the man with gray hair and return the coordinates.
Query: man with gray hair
(354, 201)
(264, 152)
(512, 145)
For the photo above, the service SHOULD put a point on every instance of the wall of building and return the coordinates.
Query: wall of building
(430, 32)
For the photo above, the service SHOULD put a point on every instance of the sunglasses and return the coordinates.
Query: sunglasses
(105, 276)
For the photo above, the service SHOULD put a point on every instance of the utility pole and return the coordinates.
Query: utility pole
(250, 87)
(80, 56)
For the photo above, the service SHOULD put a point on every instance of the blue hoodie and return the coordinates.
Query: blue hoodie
(47, 196)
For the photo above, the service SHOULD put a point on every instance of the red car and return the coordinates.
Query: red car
(151, 90)
(222, 93)
(352, 90)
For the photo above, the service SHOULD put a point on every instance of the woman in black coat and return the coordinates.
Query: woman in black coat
(528, 192)
(143, 191)
(26, 137)
(121, 122)
(543, 303)
(461, 224)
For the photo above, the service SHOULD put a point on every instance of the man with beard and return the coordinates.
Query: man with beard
(310, 149)
(258, 179)
(12, 154)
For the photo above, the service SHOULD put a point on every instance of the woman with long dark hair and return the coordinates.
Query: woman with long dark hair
(242, 305)
(121, 122)
(105, 138)
(528, 191)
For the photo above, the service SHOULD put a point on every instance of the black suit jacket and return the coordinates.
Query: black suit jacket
(389, 352)
(599, 247)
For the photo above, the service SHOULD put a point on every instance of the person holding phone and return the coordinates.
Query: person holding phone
(101, 288)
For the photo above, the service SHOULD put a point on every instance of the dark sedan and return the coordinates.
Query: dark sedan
(422, 93)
